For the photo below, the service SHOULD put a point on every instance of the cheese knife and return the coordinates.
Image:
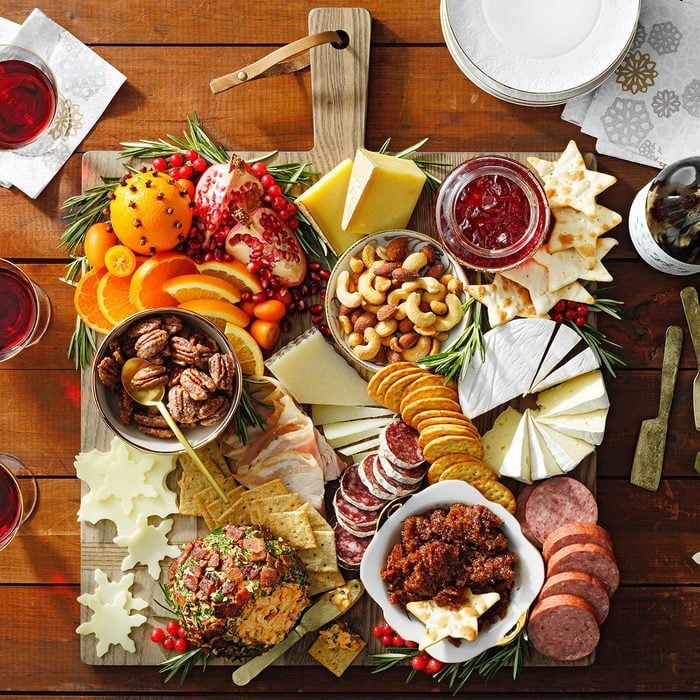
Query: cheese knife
(689, 297)
(327, 608)
(649, 453)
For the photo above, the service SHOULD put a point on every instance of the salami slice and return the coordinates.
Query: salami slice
(522, 499)
(357, 518)
(576, 533)
(556, 502)
(365, 471)
(349, 548)
(398, 442)
(356, 493)
(589, 558)
(563, 627)
(410, 477)
(581, 584)
(396, 488)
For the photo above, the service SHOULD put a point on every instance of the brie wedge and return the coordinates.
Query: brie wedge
(585, 426)
(516, 461)
(564, 341)
(579, 395)
(568, 451)
(582, 363)
(542, 461)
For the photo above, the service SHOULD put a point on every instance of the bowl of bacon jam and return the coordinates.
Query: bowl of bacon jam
(492, 213)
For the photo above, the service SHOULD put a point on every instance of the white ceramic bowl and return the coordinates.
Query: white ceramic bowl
(529, 571)
(332, 305)
(108, 401)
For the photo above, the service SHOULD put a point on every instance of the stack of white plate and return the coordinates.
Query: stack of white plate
(538, 52)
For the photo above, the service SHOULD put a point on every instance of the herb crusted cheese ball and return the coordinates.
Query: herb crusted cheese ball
(238, 590)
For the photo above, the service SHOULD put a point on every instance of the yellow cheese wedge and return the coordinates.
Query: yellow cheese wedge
(382, 193)
(323, 205)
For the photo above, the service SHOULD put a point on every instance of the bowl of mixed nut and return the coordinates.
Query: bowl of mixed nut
(187, 355)
(396, 296)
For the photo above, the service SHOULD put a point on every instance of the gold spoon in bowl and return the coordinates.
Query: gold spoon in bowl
(154, 397)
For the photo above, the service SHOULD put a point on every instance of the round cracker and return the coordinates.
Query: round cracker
(384, 372)
(394, 392)
(447, 461)
(432, 380)
(394, 377)
(416, 407)
(469, 472)
(428, 392)
(439, 413)
(436, 431)
(449, 419)
(497, 492)
(465, 444)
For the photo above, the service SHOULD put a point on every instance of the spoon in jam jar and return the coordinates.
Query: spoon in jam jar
(153, 396)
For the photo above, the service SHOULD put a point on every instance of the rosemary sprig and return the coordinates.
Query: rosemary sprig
(196, 139)
(454, 360)
(182, 664)
(84, 210)
(432, 182)
(83, 342)
(247, 413)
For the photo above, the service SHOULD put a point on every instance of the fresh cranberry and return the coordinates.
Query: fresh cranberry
(157, 635)
(317, 321)
(419, 662)
(181, 644)
(168, 643)
(185, 172)
(266, 198)
(278, 203)
(258, 297)
(293, 223)
(208, 257)
(267, 181)
(291, 209)
(286, 327)
(274, 190)
(580, 321)
(433, 666)
(325, 331)
(199, 165)
(246, 295)
(558, 317)
(314, 266)
(258, 169)
(314, 288)
(581, 310)
(172, 627)
(397, 641)
(561, 306)
(191, 155)
(228, 258)
(173, 172)
(411, 644)
(387, 639)
(315, 276)
(159, 164)
(570, 314)
(176, 160)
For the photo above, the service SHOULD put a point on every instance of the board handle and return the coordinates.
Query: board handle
(339, 79)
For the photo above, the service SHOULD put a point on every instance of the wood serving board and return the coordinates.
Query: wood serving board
(339, 96)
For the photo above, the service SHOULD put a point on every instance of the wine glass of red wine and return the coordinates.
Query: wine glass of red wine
(25, 311)
(28, 101)
(18, 497)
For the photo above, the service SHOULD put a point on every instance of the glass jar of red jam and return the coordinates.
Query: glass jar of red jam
(492, 213)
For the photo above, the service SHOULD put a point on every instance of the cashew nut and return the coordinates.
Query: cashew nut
(371, 346)
(382, 284)
(428, 331)
(430, 284)
(415, 262)
(386, 328)
(435, 347)
(366, 290)
(394, 344)
(436, 296)
(398, 295)
(454, 314)
(455, 286)
(356, 265)
(420, 350)
(381, 252)
(368, 256)
(419, 318)
(373, 308)
(442, 336)
(439, 307)
(400, 314)
(350, 299)
(345, 324)
(354, 339)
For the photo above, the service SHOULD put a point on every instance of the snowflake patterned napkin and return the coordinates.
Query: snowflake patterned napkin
(649, 110)
(86, 85)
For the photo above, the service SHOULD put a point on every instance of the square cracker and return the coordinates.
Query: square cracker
(337, 657)
(321, 558)
(294, 527)
(203, 511)
(319, 582)
(271, 488)
(260, 508)
(215, 505)
(236, 514)
(317, 521)
(193, 481)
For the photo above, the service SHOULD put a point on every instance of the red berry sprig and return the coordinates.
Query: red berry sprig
(419, 662)
(174, 636)
(182, 166)
(570, 311)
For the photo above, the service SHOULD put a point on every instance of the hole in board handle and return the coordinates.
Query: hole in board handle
(344, 40)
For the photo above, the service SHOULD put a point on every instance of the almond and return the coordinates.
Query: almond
(364, 321)
(408, 340)
(424, 306)
(355, 314)
(345, 310)
(397, 249)
(393, 356)
(385, 269)
(430, 253)
(406, 326)
(386, 312)
(437, 271)
(401, 274)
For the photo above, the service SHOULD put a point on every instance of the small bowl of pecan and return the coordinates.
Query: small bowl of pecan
(190, 357)
(396, 296)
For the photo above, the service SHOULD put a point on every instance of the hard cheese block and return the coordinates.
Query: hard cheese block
(323, 204)
(382, 193)
(313, 372)
(516, 463)
(325, 413)
(580, 395)
(498, 440)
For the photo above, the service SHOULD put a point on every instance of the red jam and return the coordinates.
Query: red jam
(492, 213)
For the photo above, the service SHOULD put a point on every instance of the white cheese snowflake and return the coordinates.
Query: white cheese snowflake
(147, 545)
(106, 591)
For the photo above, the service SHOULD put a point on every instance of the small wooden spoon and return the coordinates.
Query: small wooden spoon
(154, 397)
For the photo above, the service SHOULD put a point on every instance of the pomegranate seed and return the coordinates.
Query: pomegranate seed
(293, 224)
(253, 266)
(265, 272)
(316, 309)
(208, 257)
(325, 274)
(314, 288)
(325, 330)
(219, 255)
(314, 266)
(199, 165)
(316, 276)
(258, 297)
(581, 309)
(220, 235)
(286, 326)
(246, 295)
(185, 172)
(292, 308)
(159, 164)
(157, 635)
(323, 293)
(267, 181)
(181, 644)
(301, 305)
(270, 293)
(317, 320)
(176, 160)
(580, 321)
(212, 244)
(274, 190)
(228, 258)
(279, 203)
(195, 245)
(266, 198)
(191, 155)
(258, 169)
(304, 291)
(265, 283)
(275, 283)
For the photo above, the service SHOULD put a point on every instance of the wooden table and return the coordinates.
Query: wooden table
(169, 53)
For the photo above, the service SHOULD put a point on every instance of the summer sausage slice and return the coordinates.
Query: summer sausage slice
(581, 584)
(366, 472)
(563, 627)
(350, 548)
(359, 519)
(410, 477)
(576, 533)
(589, 558)
(398, 442)
(395, 488)
(558, 501)
(521, 502)
(356, 493)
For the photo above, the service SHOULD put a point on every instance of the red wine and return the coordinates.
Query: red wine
(18, 311)
(27, 103)
(10, 506)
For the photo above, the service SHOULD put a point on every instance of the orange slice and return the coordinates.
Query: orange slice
(120, 261)
(85, 301)
(217, 311)
(247, 350)
(113, 298)
(188, 287)
(147, 283)
(234, 272)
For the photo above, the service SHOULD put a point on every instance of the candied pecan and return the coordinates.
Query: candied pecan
(175, 372)
(201, 338)
(197, 384)
(202, 355)
(172, 324)
(181, 405)
(221, 370)
(149, 377)
(119, 358)
(145, 420)
(109, 373)
(126, 408)
(214, 410)
(182, 351)
(128, 346)
(144, 326)
(152, 343)
(155, 432)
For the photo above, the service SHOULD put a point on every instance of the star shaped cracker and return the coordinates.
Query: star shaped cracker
(441, 622)
(106, 591)
(148, 545)
(569, 265)
(503, 299)
(535, 278)
(573, 229)
(568, 183)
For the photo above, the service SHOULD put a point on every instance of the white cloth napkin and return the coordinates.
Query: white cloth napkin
(649, 110)
(86, 85)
